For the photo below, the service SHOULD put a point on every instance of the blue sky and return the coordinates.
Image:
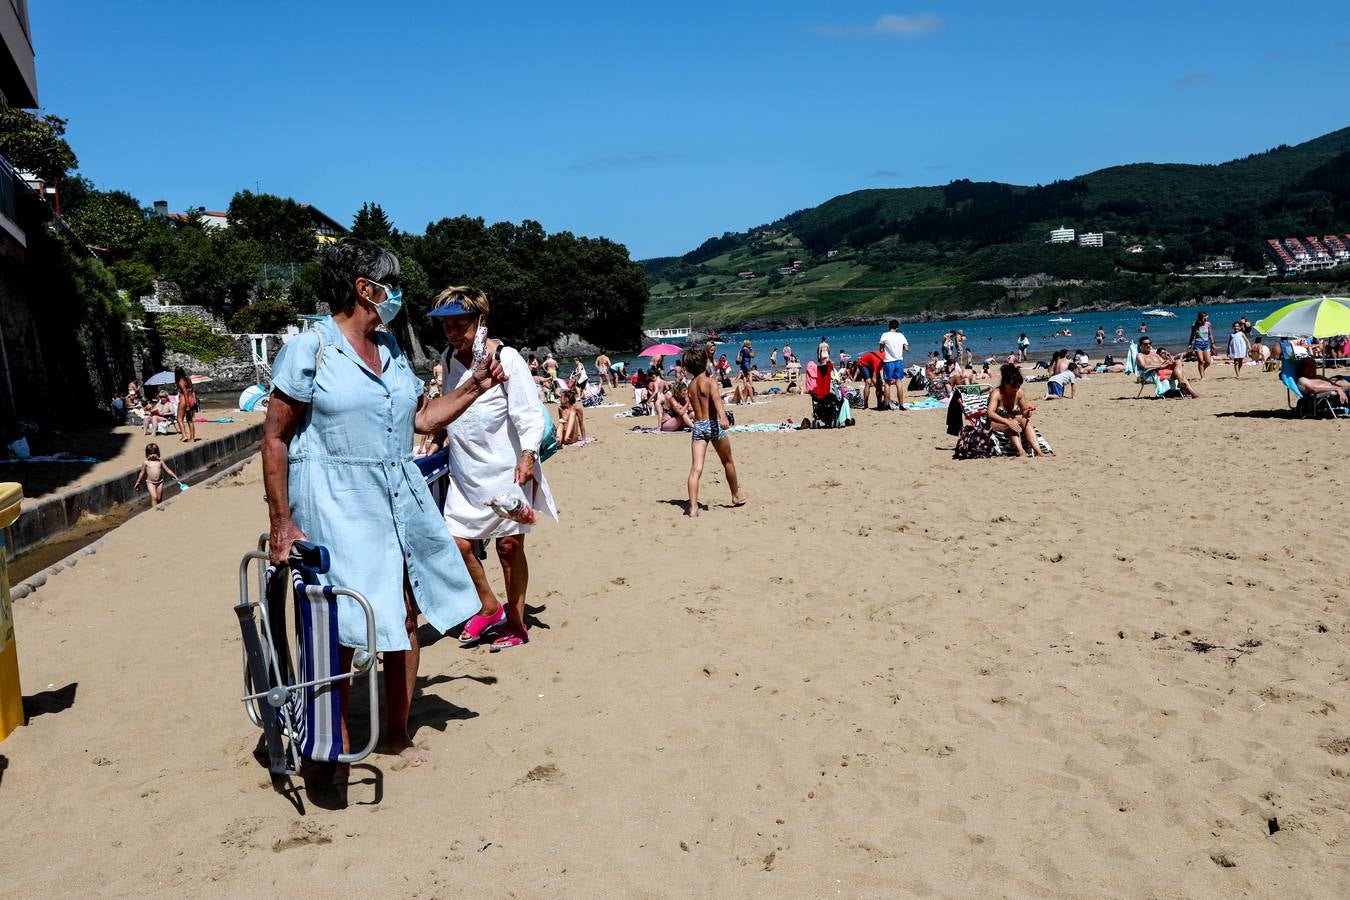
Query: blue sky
(658, 126)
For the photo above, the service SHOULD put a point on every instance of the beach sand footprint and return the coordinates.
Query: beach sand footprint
(303, 833)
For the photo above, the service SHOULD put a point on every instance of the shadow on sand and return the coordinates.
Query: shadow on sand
(50, 702)
(1258, 414)
(41, 478)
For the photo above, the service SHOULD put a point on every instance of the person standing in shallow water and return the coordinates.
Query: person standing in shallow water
(338, 470)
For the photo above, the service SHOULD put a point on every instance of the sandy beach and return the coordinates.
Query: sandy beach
(1118, 672)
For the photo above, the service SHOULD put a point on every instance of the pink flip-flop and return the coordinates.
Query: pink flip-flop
(511, 637)
(479, 623)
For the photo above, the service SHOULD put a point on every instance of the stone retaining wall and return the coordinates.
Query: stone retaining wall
(51, 516)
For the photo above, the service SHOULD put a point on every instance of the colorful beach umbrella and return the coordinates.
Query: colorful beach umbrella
(661, 350)
(165, 377)
(1320, 318)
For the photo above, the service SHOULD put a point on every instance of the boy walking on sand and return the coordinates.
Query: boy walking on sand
(710, 425)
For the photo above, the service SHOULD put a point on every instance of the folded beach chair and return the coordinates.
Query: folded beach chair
(1314, 406)
(291, 677)
(435, 469)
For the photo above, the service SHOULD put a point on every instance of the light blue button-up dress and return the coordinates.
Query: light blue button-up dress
(354, 487)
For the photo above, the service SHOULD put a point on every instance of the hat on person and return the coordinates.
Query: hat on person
(455, 306)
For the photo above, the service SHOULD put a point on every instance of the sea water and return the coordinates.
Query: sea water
(998, 337)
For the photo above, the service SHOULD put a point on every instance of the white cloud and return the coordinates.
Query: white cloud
(889, 25)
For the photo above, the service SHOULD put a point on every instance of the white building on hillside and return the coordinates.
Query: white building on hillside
(1061, 235)
(1090, 239)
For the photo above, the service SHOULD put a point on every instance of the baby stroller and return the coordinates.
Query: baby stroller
(828, 409)
(291, 674)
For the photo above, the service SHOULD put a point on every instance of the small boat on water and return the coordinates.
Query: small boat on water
(1160, 313)
(1060, 320)
(667, 334)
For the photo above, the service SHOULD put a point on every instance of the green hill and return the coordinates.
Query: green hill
(982, 246)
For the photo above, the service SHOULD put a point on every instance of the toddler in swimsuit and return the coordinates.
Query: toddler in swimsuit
(152, 473)
(710, 424)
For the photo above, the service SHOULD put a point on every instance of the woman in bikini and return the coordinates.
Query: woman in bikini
(673, 409)
(187, 407)
(1010, 413)
(573, 425)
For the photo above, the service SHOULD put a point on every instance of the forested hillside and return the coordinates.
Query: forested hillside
(984, 245)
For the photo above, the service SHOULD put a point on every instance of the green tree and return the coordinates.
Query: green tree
(371, 224)
(304, 292)
(263, 316)
(112, 220)
(36, 144)
(134, 277)
(279, 226)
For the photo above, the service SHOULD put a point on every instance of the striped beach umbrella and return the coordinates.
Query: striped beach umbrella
(1320, 318)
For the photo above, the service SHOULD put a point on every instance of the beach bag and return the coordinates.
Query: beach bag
(974, 441)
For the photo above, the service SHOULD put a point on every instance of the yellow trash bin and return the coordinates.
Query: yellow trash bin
(11, 698)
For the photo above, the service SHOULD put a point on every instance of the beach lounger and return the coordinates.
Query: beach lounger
(291, 677)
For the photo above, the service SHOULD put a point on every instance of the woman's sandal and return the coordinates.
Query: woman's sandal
(479, 624)
(511, 637)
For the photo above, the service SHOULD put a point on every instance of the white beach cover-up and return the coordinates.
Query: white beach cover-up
(485, 444)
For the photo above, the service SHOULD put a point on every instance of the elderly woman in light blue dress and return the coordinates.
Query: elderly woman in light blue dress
(338, 470)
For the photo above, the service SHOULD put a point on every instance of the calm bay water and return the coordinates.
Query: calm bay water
(996, 337)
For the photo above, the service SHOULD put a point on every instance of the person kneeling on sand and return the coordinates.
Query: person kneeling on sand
(710, 427)
(1056, 384)
(1165, 366)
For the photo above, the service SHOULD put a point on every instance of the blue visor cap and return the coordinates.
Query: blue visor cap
(455, 307)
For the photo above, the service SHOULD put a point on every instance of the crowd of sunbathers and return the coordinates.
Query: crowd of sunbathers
(168, 411)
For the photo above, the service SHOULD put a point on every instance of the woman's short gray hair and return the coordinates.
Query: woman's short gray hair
(347, 260)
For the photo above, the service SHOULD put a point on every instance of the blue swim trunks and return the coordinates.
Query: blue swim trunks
(893, 370)
(709, 430)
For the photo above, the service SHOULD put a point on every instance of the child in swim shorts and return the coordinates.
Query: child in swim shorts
(710, 424)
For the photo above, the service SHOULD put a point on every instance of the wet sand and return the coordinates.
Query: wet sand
(1118, 672)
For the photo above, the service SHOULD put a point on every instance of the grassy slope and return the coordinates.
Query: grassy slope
(842, 286)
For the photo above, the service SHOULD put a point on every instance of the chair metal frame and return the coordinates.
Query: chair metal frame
(270, 709)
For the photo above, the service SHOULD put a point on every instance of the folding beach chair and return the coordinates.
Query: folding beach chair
(291, 678)
(1313, 406)
(1149, 377)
